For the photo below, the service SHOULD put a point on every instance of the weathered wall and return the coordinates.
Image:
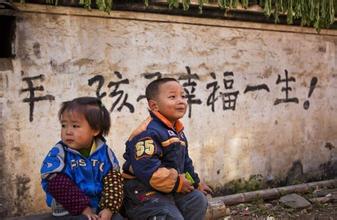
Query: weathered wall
(3, 68)
(249, 84)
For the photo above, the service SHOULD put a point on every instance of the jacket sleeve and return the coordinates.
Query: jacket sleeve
(145, 156)
(53, 163)
(113, 160)
(190, 169)
(112, 194)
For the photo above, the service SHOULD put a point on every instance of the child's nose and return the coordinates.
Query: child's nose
(183, 100)
(69, 130)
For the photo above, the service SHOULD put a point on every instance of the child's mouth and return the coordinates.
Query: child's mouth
(69, 141)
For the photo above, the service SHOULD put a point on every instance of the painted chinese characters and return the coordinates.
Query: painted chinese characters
(119, 96)
(31, 89)
(220, 88)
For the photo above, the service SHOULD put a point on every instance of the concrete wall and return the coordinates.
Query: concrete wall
(257, 120)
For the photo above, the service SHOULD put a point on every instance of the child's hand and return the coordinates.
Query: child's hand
(204, 188)
(105, 214)
(186, 185)
(90, 214)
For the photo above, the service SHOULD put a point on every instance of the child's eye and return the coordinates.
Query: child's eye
(172, 96)
(76, 126)
(63, 125)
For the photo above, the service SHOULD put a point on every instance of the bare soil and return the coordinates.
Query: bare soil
(275, 210)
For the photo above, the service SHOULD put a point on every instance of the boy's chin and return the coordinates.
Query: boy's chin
(179, 117)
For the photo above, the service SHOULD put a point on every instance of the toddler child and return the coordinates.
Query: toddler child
(80, 174)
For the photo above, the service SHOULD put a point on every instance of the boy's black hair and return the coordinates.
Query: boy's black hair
(92, 109)
(152, 89)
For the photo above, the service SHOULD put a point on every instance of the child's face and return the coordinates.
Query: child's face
(76, 131)
(170, 101)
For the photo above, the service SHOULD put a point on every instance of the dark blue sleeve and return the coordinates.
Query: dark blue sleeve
(188, 166)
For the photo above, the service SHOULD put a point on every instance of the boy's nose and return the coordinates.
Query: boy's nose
(183, 100)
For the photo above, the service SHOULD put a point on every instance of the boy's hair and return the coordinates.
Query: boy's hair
(92, 109)
(152, 89)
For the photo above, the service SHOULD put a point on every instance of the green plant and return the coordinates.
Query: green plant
(316, 13)
(103, 5)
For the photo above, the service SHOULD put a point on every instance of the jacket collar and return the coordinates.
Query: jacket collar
(98, 143)
(178, 126)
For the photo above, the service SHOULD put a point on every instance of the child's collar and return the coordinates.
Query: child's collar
(97, 143)
(93, 147)
(178, 125)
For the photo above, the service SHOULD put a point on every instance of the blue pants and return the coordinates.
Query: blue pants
(143, 203)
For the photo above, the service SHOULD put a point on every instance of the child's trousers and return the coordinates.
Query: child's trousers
(141, 202)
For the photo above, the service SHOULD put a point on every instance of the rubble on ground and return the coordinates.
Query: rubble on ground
(320, 203)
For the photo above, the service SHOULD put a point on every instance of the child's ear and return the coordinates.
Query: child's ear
(153, 105)
(96, 132)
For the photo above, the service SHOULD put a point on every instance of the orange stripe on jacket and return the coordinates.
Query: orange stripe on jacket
(170, 141)
(178, 126)
(164, 179)
(142, 127)
(180, 186)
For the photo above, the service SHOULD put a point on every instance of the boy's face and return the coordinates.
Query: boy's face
(170, 101)
(76, 131)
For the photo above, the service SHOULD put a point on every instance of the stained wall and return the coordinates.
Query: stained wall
(261, 96)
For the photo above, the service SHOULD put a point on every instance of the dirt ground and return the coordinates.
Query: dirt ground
(325, 209)
(275, 210)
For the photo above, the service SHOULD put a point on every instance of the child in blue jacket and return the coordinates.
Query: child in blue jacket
(80, 174)
(160, 179)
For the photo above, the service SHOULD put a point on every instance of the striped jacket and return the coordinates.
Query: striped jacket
(156, 153)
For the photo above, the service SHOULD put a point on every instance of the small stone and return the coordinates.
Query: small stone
(234, 212)
(241, 205)
(294, 201)
(304, 211)
(268, 206)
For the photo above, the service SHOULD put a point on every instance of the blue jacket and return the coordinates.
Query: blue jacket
(156, 153)
(86, 173)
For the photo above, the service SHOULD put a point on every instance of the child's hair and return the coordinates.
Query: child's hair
(92, 109)
(152, 89)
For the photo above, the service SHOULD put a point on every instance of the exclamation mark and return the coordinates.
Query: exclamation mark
(313, 84)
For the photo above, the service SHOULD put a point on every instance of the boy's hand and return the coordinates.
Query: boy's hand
(90, 214)
(204, 188)
(186, 185)
(105, 214)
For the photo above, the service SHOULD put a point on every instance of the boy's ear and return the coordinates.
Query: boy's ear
(153, 105)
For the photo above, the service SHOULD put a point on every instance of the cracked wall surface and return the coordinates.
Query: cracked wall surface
(261, 96)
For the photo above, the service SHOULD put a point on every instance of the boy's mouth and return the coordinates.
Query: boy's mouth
(181, 109)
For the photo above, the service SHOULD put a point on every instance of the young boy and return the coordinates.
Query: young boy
(160, 178)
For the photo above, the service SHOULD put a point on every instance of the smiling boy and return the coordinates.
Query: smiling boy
(157, 161)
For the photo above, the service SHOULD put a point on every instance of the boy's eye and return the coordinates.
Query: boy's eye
(63, 125)
(76, 126)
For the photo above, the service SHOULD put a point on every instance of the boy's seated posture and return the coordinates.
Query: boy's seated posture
(160, 178)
